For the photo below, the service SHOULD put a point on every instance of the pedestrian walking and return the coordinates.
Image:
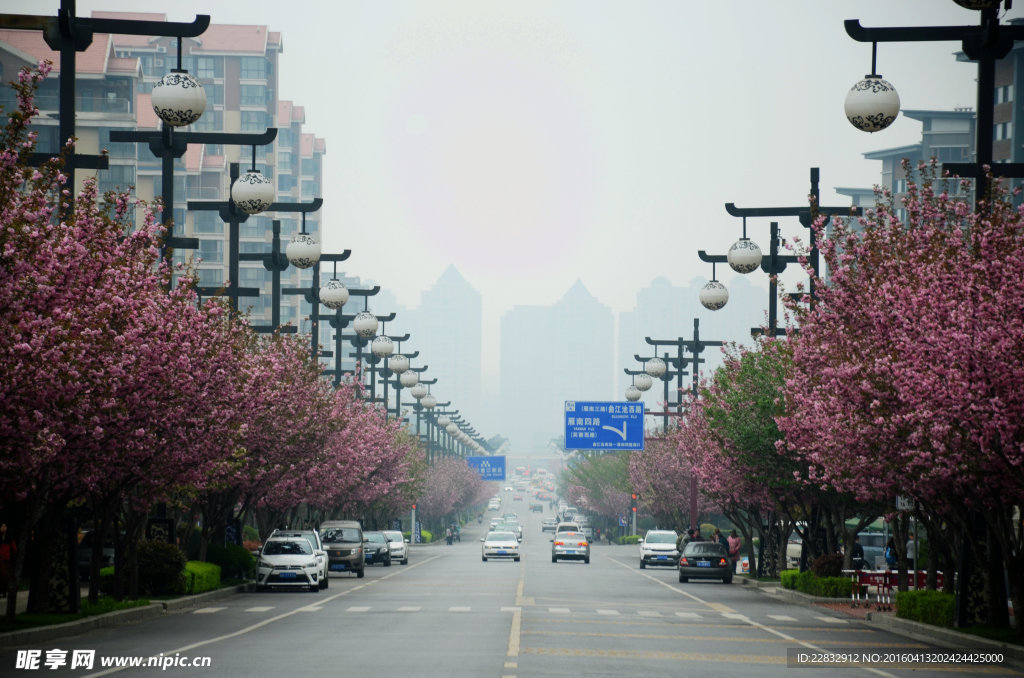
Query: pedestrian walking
(891, 559)
(735, 544)
(448, 536)
(857, 554)
(911, 553)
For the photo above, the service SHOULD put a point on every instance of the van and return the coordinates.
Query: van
(343, 541)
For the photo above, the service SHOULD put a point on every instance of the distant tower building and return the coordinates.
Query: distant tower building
(447, 330)
(550, 354)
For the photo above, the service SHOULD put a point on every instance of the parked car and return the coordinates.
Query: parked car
(570, 546)
(376, 549)
(548, 525)
(705, 560)
(500, 545)
(399, 546)
(287, 562)
(659, 548)
(313, 537)
(343, 541)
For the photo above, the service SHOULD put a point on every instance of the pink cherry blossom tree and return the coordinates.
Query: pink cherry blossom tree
(909, 368)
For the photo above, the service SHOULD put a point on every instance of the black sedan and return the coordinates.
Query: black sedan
(705, 560)
(376, 549)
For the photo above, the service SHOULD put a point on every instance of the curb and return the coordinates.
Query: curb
(936, 635)
(41, 634)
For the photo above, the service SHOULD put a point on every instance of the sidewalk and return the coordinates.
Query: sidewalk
(43, 634)
(888, 621)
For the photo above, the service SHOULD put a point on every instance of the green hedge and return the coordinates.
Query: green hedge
(927, 607)
(425, 535)
(200, 577)
(811, 584)
(235, 561)
(629, 539)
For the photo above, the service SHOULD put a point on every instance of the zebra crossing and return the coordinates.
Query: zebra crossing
(696, 617)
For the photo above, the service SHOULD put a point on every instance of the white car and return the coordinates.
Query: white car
(500, 545)
(287, 562)
(398, 545)
(659, 548)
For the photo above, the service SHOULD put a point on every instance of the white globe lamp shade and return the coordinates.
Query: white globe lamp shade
(303, 252)
(655, 367)
(253, 192)
(365, 324)
(408, 379)
(419, 391)
(334, 294)
(714, 295)
(632, 393)
(744, 256)
(429, 401)
(643, 382)
(872, 104)
(978, 4)
(178, 99)
(382, 346)
(398, 364)
(452, 429)
(444, 420)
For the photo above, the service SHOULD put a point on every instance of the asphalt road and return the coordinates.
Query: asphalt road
(448, 614)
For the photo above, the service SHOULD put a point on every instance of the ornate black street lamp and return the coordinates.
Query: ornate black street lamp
(68, 34)
(985, 43)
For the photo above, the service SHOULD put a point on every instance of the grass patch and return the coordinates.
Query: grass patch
(103, 606)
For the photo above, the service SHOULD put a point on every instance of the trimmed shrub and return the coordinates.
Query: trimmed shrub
(200, 577)
(236, 562)
(630, 539)
(928, 607)
(828, 565)
(813, 585)
(161, 569)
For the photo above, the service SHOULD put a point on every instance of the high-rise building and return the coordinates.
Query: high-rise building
(550, 354)
(237, 66)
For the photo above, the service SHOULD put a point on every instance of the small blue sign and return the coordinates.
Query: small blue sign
(604, 425)
(489, 468)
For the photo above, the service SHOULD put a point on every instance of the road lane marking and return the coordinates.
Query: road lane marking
(688, 615)
(558, 610)
(261, 624)
(607, 611)
(517, 608)
(459, 609)
(648, 613)
(782, 617)
(357, 608)
(831, 620)
(757, 625)
(208, 610)
(260, 608)
(409, 609)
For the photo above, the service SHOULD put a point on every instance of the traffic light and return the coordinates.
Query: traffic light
(414, 507)
(632, 502)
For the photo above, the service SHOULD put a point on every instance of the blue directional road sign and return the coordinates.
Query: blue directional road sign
(489, 468)
(604, 425)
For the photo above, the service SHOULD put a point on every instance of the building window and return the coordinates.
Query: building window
(214, 94)
(1004, 94)
(124, 150)
(254, 227)
(209, 67)
(285, 182)
(207, 223)
(254, 95)
(284, 161)
(211, 277)
(212, 251)
(254, 68)
(1002, 130)
(211, 121)
(254, 121)
(950, 153)
(116, 178)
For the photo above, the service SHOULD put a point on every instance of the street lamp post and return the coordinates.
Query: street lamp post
(68, 34)
(985, 43)
(743, 254)
(339, 321)
(231, 213)
(694, 347)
